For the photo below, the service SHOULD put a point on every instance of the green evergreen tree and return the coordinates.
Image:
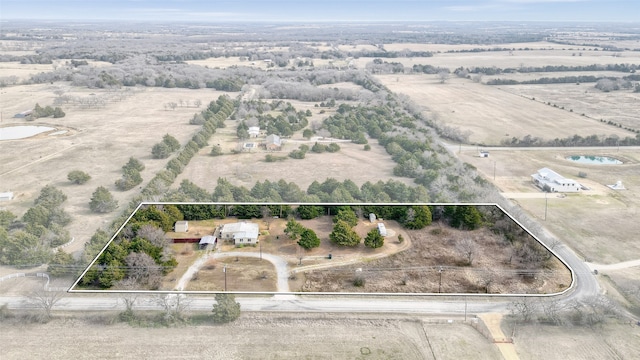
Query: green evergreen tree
(374, 240)
(342, 234)
(78, 177)
(309, 239)
(102, 201)
(226, 309)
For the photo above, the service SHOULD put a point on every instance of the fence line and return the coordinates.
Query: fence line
(40, 275)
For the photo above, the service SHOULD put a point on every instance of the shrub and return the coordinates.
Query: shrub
(78, 177)
(359, 281)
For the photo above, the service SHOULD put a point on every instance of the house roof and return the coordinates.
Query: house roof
(242, 229)
(208, 239)
(547, 175)
(273, 139)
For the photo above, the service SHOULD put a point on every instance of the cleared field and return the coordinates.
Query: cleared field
(599, 224)
(244, 169)
(223, 63)
(515, 59)
(490, 113)
(22, 71)
(100, 142)
(611, 341)
(622, 107)
(253, 336)
(459, 47)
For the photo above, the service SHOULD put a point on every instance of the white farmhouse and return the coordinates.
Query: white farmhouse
(547, 179)
(254, 131)
(241, 233)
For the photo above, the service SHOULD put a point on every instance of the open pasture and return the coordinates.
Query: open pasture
(491, 114)
(272, 336)
(515, 59)
(621, 107)
(225, 62)
(599, 223)
(244, 169)
(98, 141)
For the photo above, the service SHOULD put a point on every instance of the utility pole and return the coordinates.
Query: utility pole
(260, 242)
(224, 270)
(465, 309)
(440, 285)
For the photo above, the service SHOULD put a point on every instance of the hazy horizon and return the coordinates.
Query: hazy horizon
(327, 11)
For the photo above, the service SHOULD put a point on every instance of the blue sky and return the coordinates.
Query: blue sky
(324, 10)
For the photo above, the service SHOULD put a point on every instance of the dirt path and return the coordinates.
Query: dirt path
(507, 349)
(618, 266)
(404, 246)
(279, 263)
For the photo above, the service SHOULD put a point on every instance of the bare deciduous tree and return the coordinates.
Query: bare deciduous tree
(174, 306)
(443, 76)
(142, 269)
(45, 300)
(154, 234)
(524, 309)
(468, 249)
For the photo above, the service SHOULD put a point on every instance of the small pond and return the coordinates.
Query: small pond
(22, 131)
(594, 160)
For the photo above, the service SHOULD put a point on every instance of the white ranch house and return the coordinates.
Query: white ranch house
(554, 182)
(241, 233)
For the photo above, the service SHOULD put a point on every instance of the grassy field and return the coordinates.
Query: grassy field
(620, 107)
(490, 113)
(308, 336)
(99, 142)
(596, 223)
(244, 169)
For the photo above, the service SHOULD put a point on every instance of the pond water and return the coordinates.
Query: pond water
(22, 131)
(594, 160)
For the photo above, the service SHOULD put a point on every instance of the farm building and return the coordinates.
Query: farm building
(181, 226)
(6, 196)
(254, 131)
(207, 240)
(240, 232)
(382, 229)
(273, 142)
(23, 114)
(549, 180)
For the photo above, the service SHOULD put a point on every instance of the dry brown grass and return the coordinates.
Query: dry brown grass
(416, 270)
(101, 143)
(492, 113)
(242, 273)
(598, 224)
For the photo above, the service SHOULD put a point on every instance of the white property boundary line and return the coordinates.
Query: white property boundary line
(345, 294)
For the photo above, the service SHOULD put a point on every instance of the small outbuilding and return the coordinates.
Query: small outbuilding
(273, 142)
(382, 229)
(207, 240)
(6, 196)
(181, 226)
